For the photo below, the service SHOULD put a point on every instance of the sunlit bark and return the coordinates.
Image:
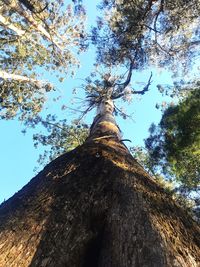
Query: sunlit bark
(104, 124)
(96, 206)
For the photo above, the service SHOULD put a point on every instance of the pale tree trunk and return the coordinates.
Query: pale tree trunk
(104, 125)
(20, 78)
(96, 206)
(10, 25)
(21, 33)
(37, 26)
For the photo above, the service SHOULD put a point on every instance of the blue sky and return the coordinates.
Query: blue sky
(18, 157)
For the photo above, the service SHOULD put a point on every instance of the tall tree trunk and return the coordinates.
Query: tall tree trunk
(96, 206)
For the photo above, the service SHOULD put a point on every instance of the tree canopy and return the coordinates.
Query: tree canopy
(165, 33)
(60, 137)
(174, 145)
(36, 36)
(47, 34)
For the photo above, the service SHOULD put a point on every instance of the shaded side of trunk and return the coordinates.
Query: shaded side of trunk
(95, 206)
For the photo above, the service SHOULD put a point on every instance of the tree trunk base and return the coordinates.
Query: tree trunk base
(96, 206)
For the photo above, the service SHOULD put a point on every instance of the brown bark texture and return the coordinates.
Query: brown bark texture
(96, 206)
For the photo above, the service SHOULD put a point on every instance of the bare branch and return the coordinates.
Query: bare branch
(150, 28)
(125, 140)
(120, 87)
(123, 114)
(161, 8)
(148, 8)
(34, 23)
(31, 7)
(141, 92)
(85, 112)
(76, 110)
(145, 89)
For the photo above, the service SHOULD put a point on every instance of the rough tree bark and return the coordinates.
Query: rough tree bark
(96, 206)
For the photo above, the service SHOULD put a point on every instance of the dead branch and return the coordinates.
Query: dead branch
(145, 89)
(120, 87)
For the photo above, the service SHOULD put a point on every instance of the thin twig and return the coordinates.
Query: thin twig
(122, 113)
(85, 112)
(156, 18)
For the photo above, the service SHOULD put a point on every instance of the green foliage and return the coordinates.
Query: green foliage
(174, 145)
(143, 157)
(163, 32)
(59, 138)
(36, 36)
(21, 99)
(172, 153)
(185, 196)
